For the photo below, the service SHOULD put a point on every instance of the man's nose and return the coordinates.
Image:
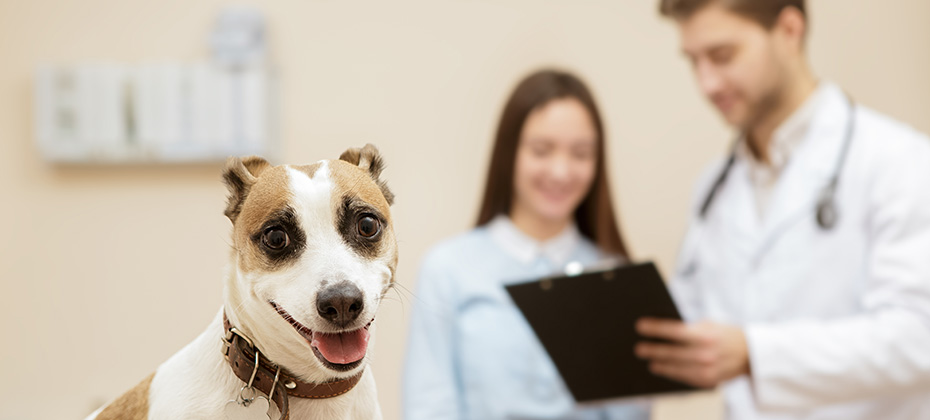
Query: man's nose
(709, 79)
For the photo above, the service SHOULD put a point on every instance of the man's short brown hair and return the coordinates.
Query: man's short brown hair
(765, 12)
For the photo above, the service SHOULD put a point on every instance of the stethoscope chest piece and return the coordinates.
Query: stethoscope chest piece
(826, 213)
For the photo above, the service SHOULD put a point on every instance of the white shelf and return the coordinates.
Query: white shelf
(133, 155)
(105, 113)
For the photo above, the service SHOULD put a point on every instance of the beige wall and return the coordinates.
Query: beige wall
(107, 271)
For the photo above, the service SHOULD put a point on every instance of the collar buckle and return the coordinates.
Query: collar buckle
(230, 335)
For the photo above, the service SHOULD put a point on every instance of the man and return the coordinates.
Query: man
(808, 259)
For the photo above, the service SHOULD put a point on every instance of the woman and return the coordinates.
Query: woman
(471, 354)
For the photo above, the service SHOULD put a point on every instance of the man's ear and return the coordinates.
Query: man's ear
(793, 25)
(369, 159)
(239, 176)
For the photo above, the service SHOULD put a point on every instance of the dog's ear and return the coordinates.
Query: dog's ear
(240, 174)
(369, 159)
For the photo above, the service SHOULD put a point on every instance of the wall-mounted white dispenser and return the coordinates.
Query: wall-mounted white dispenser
(165, 111)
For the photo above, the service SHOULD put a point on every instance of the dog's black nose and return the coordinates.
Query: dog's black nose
(340, 303)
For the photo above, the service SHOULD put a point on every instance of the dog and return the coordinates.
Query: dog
(313, 253)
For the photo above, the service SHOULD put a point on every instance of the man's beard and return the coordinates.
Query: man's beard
(762, 108)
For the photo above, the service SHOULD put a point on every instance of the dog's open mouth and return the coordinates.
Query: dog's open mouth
(339, 351)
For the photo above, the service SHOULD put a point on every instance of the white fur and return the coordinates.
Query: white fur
(197, 382)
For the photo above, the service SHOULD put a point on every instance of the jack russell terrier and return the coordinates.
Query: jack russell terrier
(313, 254)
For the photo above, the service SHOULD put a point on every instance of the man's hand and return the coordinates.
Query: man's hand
(703, 355)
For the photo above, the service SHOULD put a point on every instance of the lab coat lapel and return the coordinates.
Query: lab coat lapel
(794, 200)
(735, 215)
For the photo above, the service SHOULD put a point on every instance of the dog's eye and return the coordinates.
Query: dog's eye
(368, 226)
(275, 238)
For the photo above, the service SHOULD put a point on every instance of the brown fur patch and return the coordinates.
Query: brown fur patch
(240, 174)
(308, 169)
(350, 180)
(133, 405)
(270, 193)
(368, 158)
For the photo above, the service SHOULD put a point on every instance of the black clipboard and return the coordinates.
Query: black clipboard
(587, 325)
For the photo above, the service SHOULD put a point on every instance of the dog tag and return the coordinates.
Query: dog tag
(256, 409)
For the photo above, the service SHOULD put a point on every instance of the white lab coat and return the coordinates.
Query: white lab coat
(837, 322)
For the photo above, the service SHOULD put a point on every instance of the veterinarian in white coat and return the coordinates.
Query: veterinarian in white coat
(808, 258)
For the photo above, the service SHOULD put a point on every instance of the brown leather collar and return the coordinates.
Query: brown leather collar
(241, 353)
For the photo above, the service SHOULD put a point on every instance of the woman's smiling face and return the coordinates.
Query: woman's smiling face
(556, 160)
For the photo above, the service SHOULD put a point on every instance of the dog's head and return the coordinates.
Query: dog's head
(313, 253)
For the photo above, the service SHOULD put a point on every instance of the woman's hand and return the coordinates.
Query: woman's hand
(704, 355)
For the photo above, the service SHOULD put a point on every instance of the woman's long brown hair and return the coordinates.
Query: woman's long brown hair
(595, 215)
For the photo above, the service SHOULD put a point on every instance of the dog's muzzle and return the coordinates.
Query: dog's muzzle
(341, 351)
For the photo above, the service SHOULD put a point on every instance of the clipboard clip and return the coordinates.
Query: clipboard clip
(574, 268)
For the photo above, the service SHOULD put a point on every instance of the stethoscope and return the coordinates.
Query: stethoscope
(827, 214)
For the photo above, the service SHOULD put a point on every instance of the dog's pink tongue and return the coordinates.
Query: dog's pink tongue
(342, 348)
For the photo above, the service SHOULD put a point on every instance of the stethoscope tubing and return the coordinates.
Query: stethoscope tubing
(827, 213)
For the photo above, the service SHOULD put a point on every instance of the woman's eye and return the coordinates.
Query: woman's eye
(368, 226)
(583, 153)
(276, 239)
(540, 150)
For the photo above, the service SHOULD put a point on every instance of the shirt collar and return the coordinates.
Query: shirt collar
(526, 249)
(791, 133)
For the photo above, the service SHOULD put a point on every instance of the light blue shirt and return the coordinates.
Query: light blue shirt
(471, 354)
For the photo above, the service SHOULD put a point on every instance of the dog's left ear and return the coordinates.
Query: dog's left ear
(369, 159)
(240, 174)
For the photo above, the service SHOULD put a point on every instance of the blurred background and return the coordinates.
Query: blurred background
(108, 269)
